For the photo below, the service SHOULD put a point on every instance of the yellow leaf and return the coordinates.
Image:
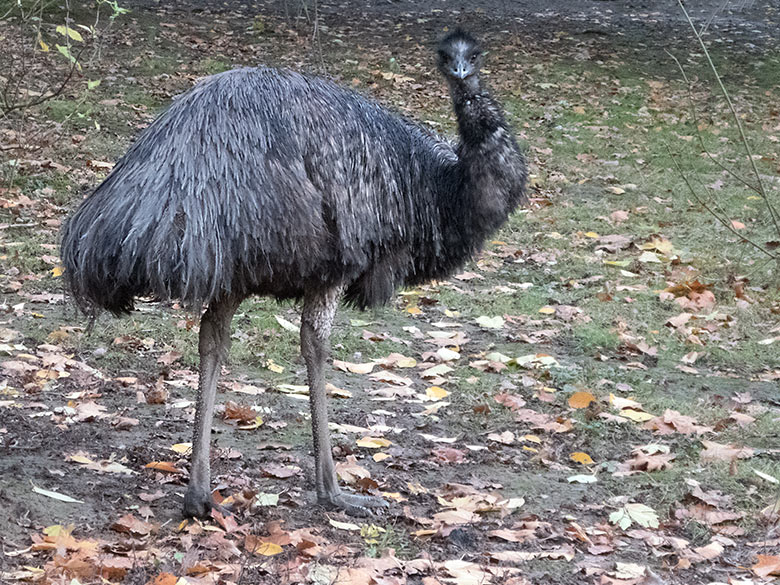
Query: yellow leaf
(182, 448)
(380, 457)
(592, 235)
(69, 32)
(413, 310)
(267, 549)
(274, 367)
(616, 190)
(436, 393)
(581, 399)
(581, 457)
(532, 439)
(636, 415)
(44, 46)
(373, 442)
(255, 424)
(578, 110)
(344, 525)
(80, 459)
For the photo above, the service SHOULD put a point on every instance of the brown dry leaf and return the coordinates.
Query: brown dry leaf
(521, 535)
(539, 420)
(711, 551)
(259, 546)
(647, 462)
(511, 401)
(672, 421)
(88, 411)
(396, 360)
(350, 472)
(164, 466)
(505, 438)
(365, 368)
(455, 517)
(712, 498)
(709, 515)
(718, 452)
(679, 320)
(241, 413)
(129, 524)
(281, 471)
(163, 579)
(114, 568)
(767, 565)
(581, 399)
(170, 357)
(391, 378)
(448, 455)
(703, 301)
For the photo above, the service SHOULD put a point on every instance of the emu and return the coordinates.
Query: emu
(260, 181)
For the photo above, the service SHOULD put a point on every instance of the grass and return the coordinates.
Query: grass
(597, 136)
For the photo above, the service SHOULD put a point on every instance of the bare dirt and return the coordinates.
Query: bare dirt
(35, 439)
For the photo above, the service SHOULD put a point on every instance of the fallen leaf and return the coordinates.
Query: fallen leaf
(581, 399)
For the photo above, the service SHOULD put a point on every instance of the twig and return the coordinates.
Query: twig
(316, 35)
(723, 220)
(761, 189)
(699, 136)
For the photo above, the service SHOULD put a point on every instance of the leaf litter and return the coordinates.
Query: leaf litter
(443, 425)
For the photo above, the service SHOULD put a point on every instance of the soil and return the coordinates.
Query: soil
(32, 449)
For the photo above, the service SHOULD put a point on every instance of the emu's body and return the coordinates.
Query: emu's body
(259, 181)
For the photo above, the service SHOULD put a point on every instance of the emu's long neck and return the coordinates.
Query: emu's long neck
(492, 166)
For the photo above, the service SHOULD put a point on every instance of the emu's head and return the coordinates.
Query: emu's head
(459, 57)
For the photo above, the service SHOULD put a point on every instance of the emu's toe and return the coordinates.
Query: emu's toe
(354, 505)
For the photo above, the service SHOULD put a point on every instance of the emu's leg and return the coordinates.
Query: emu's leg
(319, 309)
(213, 346)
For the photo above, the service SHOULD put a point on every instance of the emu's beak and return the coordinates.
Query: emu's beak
(461, 69)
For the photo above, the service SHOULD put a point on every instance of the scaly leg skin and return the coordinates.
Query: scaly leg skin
(213, 347)
(319, 309)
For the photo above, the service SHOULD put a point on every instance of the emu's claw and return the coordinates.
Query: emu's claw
(353, 504)
(199, 504)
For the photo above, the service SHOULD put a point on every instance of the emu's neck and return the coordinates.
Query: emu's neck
(491, 164)
(476, 189)
(478, 114)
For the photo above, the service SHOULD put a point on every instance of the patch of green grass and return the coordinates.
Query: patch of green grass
(149, 66)
(212, 66)
(76, 112)
(592, 336)
(378, 540)
(139, 96)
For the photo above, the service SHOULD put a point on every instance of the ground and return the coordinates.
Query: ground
(604, 405)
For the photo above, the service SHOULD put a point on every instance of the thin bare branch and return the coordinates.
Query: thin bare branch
(761, 189)
(721, 219)
(700, 138)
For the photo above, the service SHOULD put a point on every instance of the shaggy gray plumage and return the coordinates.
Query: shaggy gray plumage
(259, 181)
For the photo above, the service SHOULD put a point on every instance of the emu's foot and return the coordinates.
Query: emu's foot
(199, 504)
(353, 504)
